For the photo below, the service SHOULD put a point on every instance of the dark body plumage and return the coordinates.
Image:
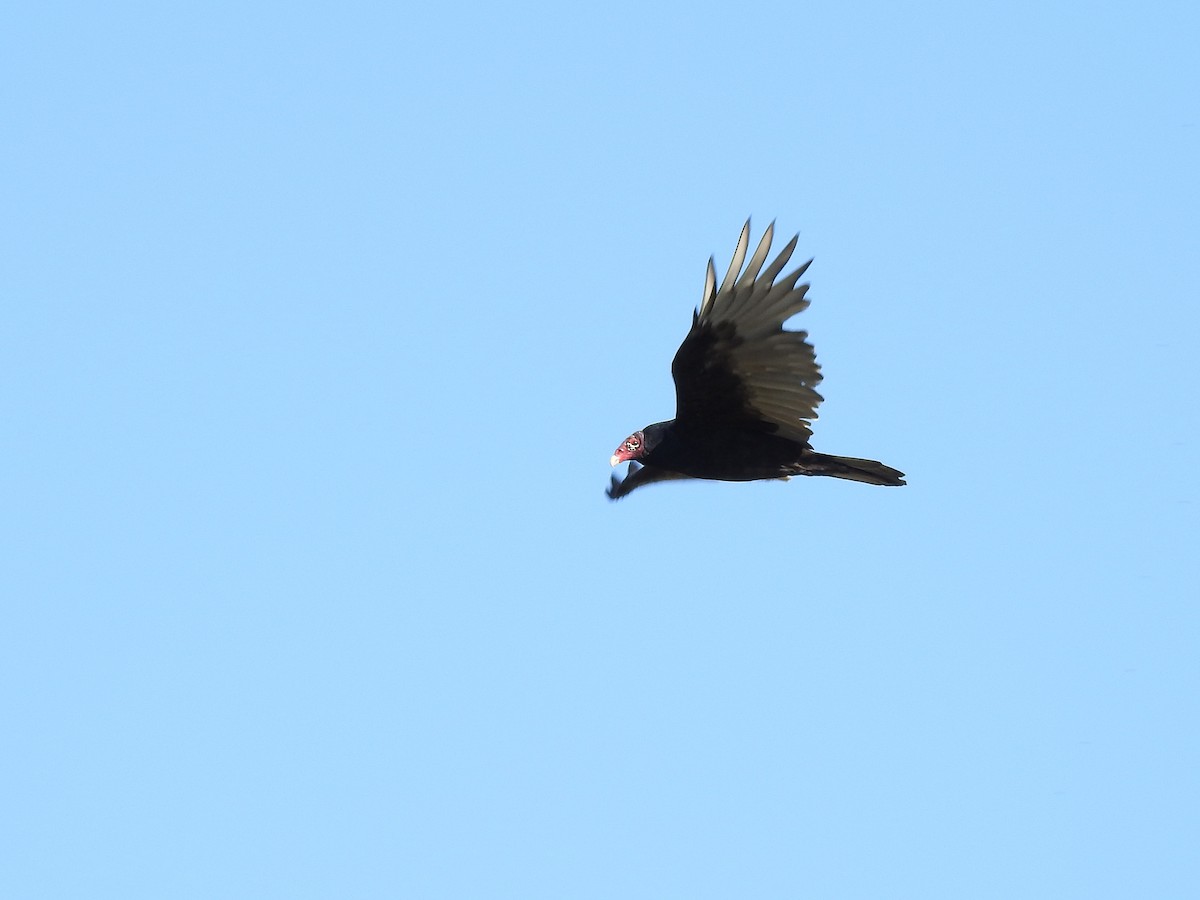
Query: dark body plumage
(744, 388)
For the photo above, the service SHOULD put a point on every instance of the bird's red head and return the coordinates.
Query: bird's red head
(631, 448)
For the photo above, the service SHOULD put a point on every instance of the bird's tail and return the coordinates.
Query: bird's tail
(865, 470)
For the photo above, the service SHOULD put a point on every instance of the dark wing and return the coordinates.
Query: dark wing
(737, 366)
(638, 476)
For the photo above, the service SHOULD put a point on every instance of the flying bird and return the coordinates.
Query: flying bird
(745, 389)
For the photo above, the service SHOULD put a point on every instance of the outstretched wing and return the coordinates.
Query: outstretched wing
(638, 476)
(737, 367)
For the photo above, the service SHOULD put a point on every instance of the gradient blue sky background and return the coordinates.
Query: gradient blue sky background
(321, 323)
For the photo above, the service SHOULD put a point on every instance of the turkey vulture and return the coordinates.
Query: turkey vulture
(744, 388)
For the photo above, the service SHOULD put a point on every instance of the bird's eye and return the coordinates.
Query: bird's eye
(631, 445)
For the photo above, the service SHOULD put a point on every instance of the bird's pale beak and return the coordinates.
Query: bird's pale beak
(614, 460)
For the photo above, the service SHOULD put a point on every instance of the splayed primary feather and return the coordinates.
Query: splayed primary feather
(735, 264)
(759, 257)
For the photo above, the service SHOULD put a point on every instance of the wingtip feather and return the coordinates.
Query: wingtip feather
(739, 256)
(710, 293)
(759, 257)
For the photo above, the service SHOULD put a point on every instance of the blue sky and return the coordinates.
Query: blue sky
(322, 322)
